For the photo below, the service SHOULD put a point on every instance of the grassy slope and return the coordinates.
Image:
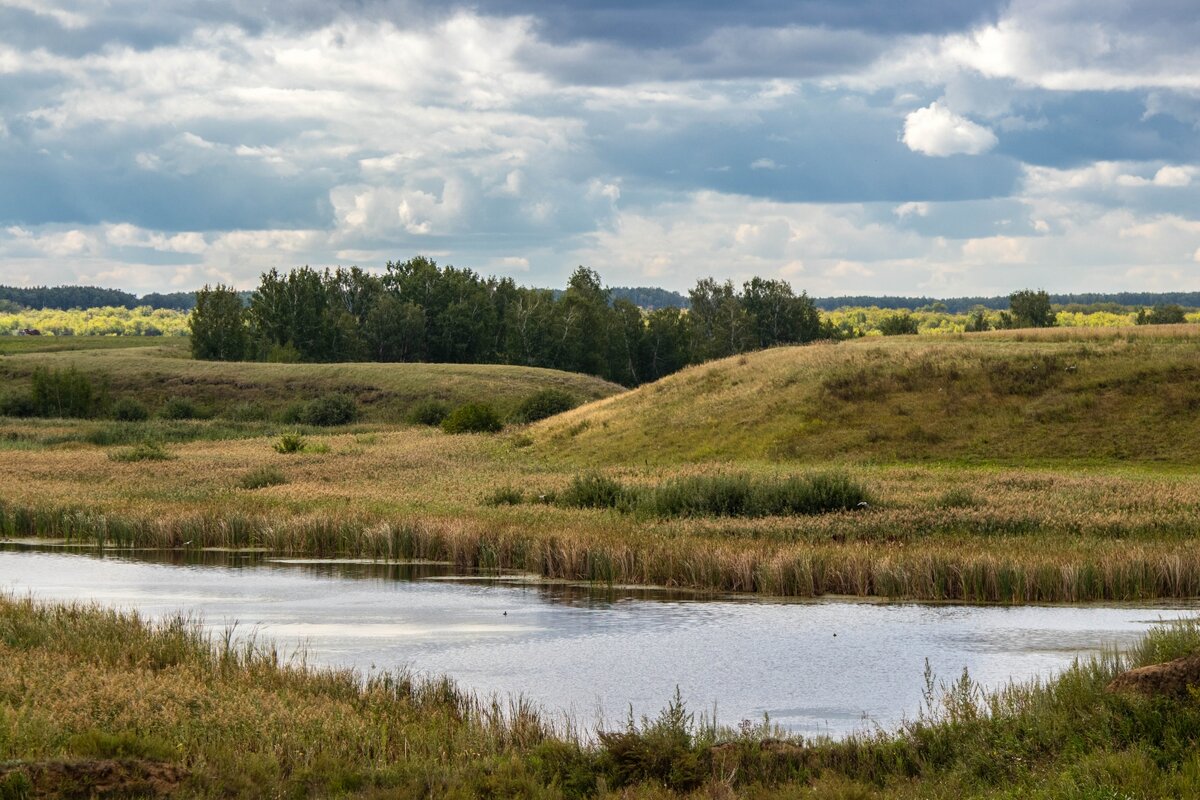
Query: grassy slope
(82, 685)
(386, 391)
(1058, 396)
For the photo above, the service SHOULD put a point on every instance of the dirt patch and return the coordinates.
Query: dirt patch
(92, 778)
(1171, 678)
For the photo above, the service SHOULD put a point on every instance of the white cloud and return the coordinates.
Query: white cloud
(911, 209)
(764, 163)
(996, 250)
(937, 131)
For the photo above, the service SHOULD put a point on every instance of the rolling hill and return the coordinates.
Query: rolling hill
(1012, 396)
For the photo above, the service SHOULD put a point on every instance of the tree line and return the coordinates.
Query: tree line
(420, 311)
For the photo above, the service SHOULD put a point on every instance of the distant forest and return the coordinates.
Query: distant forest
(419, 311)
(644, 297)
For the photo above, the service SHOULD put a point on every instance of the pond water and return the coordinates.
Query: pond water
(826, 667)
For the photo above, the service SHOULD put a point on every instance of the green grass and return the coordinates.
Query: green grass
(17, 345)
(1015, 397)
(226, 718)
(159, 372)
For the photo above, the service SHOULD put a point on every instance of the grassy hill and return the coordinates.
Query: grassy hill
(154, 374)
(1077, 395)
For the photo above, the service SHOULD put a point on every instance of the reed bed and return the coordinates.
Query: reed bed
(1000, 570)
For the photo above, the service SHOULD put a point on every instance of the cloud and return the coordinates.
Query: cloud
(764, 163)
(937, 131)
(910, 209)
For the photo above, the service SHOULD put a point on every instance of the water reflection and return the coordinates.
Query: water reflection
(593, 652)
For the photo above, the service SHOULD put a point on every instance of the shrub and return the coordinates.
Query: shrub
(129, 410)
(505, 496)
(543, 404)
(898, 324)
(246, 412)
(428, 412)
(180, 408)
(17, 405)
(262, 477)
(332, 409)
(293, 413)
(64, 393)
(595, 491)
(472, 418)
(146, 451)
(290, 443)
(957, 498)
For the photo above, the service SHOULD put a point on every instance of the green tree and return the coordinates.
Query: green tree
(719, 322)
(218, 325)
(777, 315)
(898, 324)
(1031, 309)
(1161, 315)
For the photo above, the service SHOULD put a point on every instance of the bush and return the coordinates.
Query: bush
(428, 412)
(180, 408)
(129, 410)
(595, 491)
(472, 418)
(290, 443)
(898, 324)
(146, 451)
(247, 412)
(543, 404)
(332, 409)
(505, 496)
(262, 477)
(64, 393)
(957, 498)
(17, 405)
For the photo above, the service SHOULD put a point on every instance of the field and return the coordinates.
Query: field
(160, 370)
(1053, 466)
(996, 467)
(93, 698)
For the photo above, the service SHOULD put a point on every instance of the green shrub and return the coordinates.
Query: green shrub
(543, 404)
(505, 496)
(898, 324)
(595, 491)
(181, 408)
(65, 393)
(146, 451)
(99, 744)
(247, 412)
(291, 442)
(262, 477)
(129, 410)
(17, 405)
(428, 412)
(668, 751)
(472, 418)
(332, 409)
(293, 413)
(957, 498)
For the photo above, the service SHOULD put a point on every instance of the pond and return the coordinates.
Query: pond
(825, 667)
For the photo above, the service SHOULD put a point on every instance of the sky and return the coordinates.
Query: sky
(941, 148)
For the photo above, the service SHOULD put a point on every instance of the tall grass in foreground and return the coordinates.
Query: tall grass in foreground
(1014, 570)
(242, 720)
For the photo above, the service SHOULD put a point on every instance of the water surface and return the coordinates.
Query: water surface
(827, 667)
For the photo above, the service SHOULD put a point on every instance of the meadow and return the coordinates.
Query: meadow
(97, 702)
(1000, 467)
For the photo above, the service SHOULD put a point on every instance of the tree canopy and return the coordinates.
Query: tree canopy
(420, 311)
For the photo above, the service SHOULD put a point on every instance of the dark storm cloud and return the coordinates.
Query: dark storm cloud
(672, 23)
